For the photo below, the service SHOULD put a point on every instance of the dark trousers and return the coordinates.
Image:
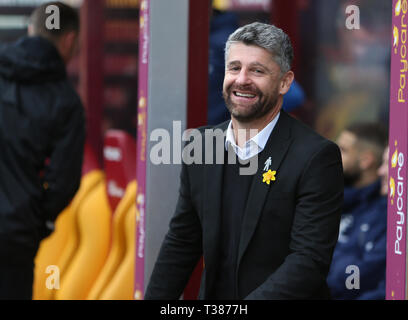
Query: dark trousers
(16, 281)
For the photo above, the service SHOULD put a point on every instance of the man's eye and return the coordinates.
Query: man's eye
(233, 68)
(258, 71)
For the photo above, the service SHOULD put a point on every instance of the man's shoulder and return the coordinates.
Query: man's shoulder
(304, 137)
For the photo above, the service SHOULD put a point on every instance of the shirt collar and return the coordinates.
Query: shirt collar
(260, 139)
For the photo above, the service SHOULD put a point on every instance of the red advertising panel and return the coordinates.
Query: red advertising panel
(119, 153)
(397, 194)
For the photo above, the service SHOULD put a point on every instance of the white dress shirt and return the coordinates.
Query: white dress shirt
(253, 146)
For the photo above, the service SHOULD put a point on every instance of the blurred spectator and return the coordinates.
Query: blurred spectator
(383, 173)
(363, 226)
(42, 133)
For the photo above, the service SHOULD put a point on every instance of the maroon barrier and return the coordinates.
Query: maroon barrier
(396, 288)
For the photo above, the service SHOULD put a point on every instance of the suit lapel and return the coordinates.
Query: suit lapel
(213, 179)
(276, 148)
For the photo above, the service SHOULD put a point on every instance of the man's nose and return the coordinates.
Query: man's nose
(243, 77)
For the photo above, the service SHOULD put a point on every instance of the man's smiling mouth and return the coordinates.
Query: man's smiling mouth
(244, 95)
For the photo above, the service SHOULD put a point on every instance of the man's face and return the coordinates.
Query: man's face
(252, 83)
(350, 157)
(383, 173)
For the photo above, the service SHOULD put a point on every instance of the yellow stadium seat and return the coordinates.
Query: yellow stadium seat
(118, 247)
(121, 287)
(48, 254)
(59, 248)
(94, 223)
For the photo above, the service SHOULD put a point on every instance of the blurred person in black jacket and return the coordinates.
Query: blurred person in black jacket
(42, 133)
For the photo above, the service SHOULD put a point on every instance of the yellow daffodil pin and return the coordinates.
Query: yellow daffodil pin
(269, 176)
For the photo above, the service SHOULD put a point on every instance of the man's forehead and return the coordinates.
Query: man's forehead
(251, 55)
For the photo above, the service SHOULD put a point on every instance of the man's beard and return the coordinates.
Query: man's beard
(259, 109)
(350, 178)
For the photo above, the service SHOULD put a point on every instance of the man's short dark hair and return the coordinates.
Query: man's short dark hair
(68, 20)
(371, 135)
(266, 36)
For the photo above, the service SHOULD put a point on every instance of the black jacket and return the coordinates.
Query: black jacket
(42, 132)
(289, 227)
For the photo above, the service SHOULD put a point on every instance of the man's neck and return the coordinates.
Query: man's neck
(244, 131)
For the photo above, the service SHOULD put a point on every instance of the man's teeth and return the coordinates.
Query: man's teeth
(246, 95)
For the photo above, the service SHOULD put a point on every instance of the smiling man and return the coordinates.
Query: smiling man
(251, 84)
(269, 235)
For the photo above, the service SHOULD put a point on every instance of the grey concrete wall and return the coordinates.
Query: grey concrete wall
(168, 69)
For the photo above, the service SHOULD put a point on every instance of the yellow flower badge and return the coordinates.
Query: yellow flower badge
(269, 176)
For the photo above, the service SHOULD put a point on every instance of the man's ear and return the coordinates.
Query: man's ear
(68, 39)
(286, 82)
(67, 44)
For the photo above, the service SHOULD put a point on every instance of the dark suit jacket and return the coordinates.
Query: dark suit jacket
(289, 229)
